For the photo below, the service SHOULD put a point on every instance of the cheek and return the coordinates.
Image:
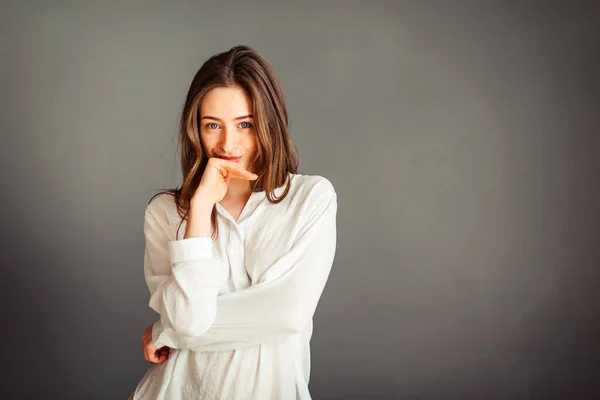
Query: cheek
(251, 143)
(207, 145)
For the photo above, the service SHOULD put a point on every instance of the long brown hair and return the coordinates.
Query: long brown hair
(277, 157)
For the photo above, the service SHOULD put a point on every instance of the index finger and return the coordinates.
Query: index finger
(232, 166)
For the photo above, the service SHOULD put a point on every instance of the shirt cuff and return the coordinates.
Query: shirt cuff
(157, 330)
(197, 248)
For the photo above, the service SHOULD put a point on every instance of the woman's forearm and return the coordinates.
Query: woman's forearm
(183, 275)
(199, 219)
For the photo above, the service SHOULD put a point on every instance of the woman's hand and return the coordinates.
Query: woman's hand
(216, 177)
(151, 353)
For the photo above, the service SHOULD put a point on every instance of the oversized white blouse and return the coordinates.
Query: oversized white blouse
(237, 312)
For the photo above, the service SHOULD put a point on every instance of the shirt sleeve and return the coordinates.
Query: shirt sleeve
(284, 301)
(183, 277)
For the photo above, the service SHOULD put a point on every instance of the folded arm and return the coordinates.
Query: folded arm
(282, 303)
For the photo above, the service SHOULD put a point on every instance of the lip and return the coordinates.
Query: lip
(230, 158)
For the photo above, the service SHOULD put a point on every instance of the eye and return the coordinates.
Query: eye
(211, 125)
(248, 125)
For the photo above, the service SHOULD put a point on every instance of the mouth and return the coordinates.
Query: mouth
(229, 158)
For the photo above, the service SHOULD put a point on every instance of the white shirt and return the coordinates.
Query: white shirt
(237, 312)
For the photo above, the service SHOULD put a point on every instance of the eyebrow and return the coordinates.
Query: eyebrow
(235, 119)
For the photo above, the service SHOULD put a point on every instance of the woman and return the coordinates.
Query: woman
(237, 258)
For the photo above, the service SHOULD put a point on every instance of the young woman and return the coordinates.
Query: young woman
(237, 258)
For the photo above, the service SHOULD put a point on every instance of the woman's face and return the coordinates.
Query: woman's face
(227, 125)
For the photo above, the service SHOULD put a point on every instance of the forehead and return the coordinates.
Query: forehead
(226, 103)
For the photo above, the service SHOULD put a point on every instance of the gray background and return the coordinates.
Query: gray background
(461, 137)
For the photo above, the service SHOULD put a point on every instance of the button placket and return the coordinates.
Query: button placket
(235, 252)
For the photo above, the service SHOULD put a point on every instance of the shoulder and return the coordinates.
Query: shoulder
(313, 186)
(311, 194)
(161, 206)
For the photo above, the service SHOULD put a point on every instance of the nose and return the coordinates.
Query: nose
(229, 140)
